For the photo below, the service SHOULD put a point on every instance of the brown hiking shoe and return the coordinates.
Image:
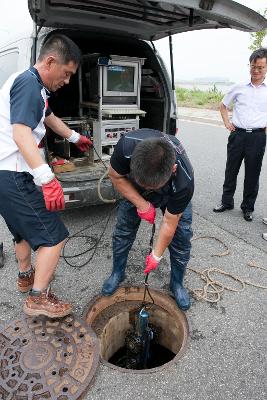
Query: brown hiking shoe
(25, 281)
(46, 304)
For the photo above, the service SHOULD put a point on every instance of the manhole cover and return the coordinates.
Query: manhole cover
(47, 359)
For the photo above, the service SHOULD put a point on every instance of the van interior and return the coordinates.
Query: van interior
(66, 102)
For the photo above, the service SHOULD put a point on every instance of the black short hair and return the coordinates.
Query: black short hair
(259, 53)
(152, 162)
(61, 46)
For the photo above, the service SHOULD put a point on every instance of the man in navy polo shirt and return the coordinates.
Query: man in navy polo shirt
(151, 170)
(29, 212)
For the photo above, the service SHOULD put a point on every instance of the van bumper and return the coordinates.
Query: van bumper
(87, 193)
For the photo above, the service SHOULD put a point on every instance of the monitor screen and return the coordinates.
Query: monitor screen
(120, 78)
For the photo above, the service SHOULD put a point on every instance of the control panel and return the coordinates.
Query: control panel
(107, 133)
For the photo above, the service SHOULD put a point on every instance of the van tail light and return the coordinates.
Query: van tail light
(177, 127)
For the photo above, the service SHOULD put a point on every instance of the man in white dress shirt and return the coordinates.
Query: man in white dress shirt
(247, 139)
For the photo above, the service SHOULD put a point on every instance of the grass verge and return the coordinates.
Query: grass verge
(198, 98)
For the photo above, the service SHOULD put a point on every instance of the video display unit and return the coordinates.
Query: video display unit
(121, 79)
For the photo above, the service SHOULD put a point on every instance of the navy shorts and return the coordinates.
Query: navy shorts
(23, 208)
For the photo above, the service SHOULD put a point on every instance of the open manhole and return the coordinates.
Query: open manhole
(116, 321)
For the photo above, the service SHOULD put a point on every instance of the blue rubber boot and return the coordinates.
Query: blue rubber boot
(179, 291)
(111, 284)
(123, 238)
(179, 248)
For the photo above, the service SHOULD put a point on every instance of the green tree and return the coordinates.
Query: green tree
(257, 37)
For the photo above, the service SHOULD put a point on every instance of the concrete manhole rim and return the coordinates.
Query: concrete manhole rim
(126, 290)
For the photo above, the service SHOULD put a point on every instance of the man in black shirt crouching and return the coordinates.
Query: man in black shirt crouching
(151, 170)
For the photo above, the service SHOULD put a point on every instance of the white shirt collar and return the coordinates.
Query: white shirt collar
(263, 83)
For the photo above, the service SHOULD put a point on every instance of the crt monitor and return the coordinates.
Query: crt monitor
(120, 79)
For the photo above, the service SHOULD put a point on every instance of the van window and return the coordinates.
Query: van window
(8, 64)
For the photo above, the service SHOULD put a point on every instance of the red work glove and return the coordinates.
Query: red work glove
(53, 195)
(83, 143)
(151, 263)
(148, 215)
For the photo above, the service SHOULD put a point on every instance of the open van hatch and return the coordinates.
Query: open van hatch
(147, 20)
(143, 19)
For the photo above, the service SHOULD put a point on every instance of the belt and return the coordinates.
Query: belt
(251, 130)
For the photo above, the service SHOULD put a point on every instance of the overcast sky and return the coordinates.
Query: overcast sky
(212, 53)
(217, 53)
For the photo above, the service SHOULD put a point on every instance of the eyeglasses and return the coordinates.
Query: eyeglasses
(256, 68)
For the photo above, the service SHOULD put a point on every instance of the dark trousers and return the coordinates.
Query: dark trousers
(126, 229)
(249, 146)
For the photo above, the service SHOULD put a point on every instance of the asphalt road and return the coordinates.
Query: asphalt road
(226, 356)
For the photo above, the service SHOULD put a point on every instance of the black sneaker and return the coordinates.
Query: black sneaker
(222, 208)
(248, 215)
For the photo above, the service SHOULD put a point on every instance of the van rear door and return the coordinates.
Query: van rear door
(145, 19)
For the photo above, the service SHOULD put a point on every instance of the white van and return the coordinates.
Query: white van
(117, 41)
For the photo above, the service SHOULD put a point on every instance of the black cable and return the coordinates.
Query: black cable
(92, 247)
(99, 157)
(76, 235)
(144, 304)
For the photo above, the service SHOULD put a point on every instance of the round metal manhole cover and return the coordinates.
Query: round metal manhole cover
(42, 358)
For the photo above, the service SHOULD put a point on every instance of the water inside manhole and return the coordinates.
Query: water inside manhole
(158, 356)
(114, 321)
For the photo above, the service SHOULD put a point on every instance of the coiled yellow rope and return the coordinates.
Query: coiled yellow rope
(213, 289)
